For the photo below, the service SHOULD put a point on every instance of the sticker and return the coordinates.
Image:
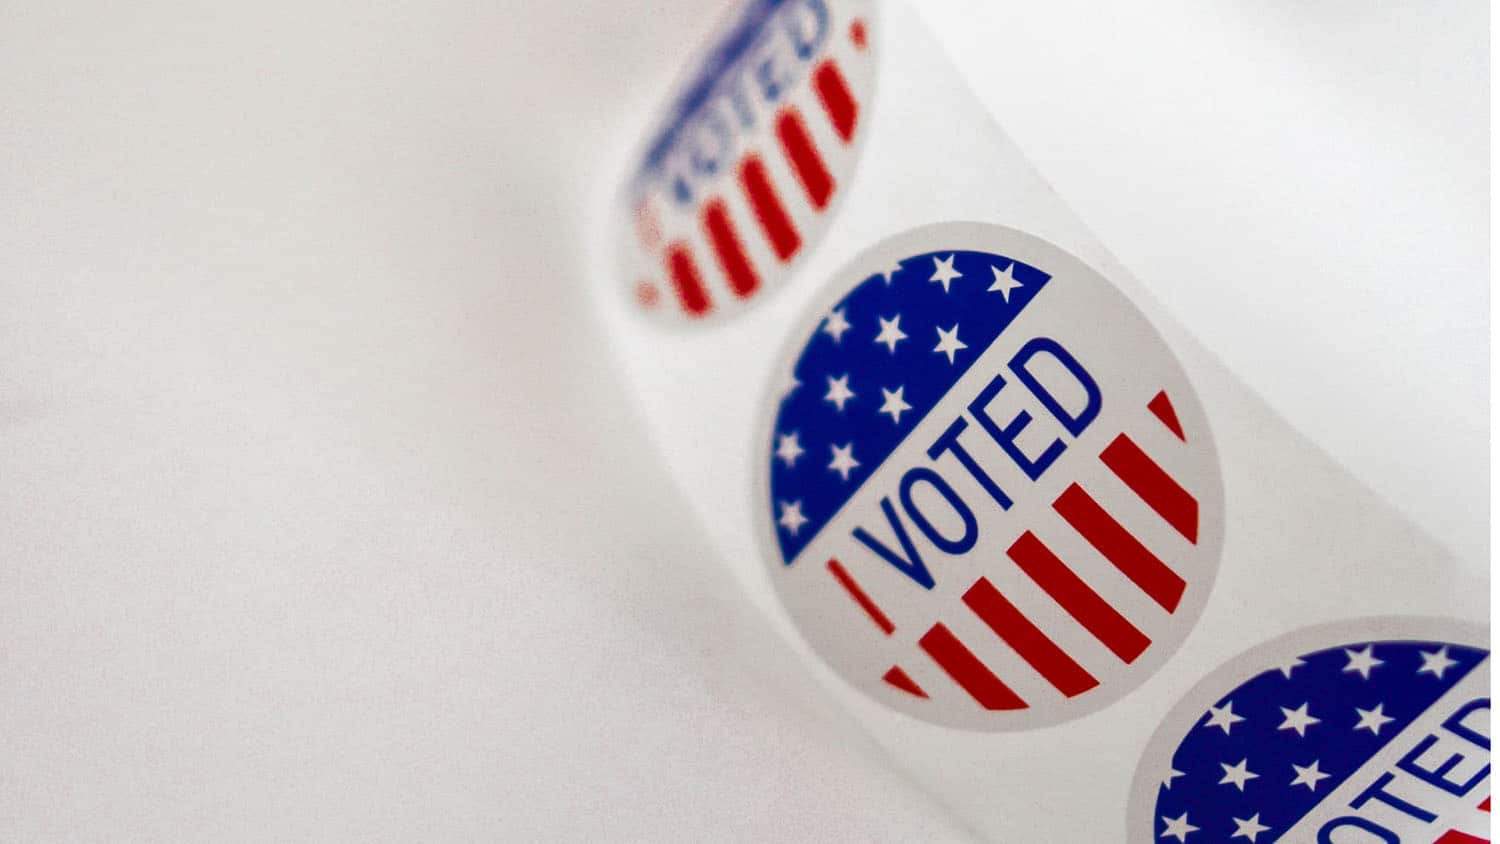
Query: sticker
(992, 500)
(1365, 732)
(742, 176)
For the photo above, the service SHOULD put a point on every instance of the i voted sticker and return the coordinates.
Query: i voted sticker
(991, 497)
(739, 180)
(1366, 732)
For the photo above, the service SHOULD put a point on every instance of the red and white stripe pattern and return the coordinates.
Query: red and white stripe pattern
(745, 228)
(1083, 609)
(1457, 836)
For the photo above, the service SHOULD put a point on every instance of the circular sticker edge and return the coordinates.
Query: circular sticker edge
(1028, 248)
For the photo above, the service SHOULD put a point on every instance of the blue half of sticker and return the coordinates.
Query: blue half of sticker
(879, 362)
(1359, 742)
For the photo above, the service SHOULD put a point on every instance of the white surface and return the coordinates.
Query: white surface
(321, 518)
(1304, 184)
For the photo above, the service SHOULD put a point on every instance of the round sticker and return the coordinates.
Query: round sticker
(992, 500)
(1371, 731)
(741, 176)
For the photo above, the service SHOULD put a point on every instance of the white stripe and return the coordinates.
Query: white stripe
(999, 657)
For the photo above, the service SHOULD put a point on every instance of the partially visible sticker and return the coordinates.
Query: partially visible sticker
(991, 497)
(1371, 731)
(740, 179)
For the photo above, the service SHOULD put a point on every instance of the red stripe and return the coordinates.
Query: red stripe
(842, 576)
(769, 211)
(1453, 836)
(898, 678)
(967, 671)
(857, 33)
(1152, 483)
(804, 158)
(647, 229)
(1031, 643)
(1120, 546)
(1162, 407)
(838, 101)
(727, 248)
(1077, 599)
(685, 279)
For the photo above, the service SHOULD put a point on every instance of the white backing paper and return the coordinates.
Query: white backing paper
(1304, 543)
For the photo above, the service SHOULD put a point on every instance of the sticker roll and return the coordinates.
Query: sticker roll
(1004, 507)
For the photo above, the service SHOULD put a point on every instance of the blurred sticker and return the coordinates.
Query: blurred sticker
(991, 496)
(1370, 731)
(740, 179)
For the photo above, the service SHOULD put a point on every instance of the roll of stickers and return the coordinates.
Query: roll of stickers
(1006, 510)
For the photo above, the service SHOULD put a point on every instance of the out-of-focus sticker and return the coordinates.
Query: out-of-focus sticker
(1371, 731)
(991, 497)
(741, 177)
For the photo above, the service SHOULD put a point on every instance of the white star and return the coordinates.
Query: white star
(1372, 719)
(834, 325)
(890, 272)
(843, 460)
(1004, 282)
(1249, 827)
(791, 517)
(788, 449)
(1237, 775)
(1178, 828)
(1436, 663)
(948, 342)
(890, 332)
(943, 272)
(1361, 661)
(1172, 774)
(838, 391)
(1309, 775)
(1223, 717)
(895, 403)
(1298, 719)
(1287, 667)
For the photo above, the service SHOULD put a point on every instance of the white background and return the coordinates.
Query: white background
(323, 516)
(1306, 184)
